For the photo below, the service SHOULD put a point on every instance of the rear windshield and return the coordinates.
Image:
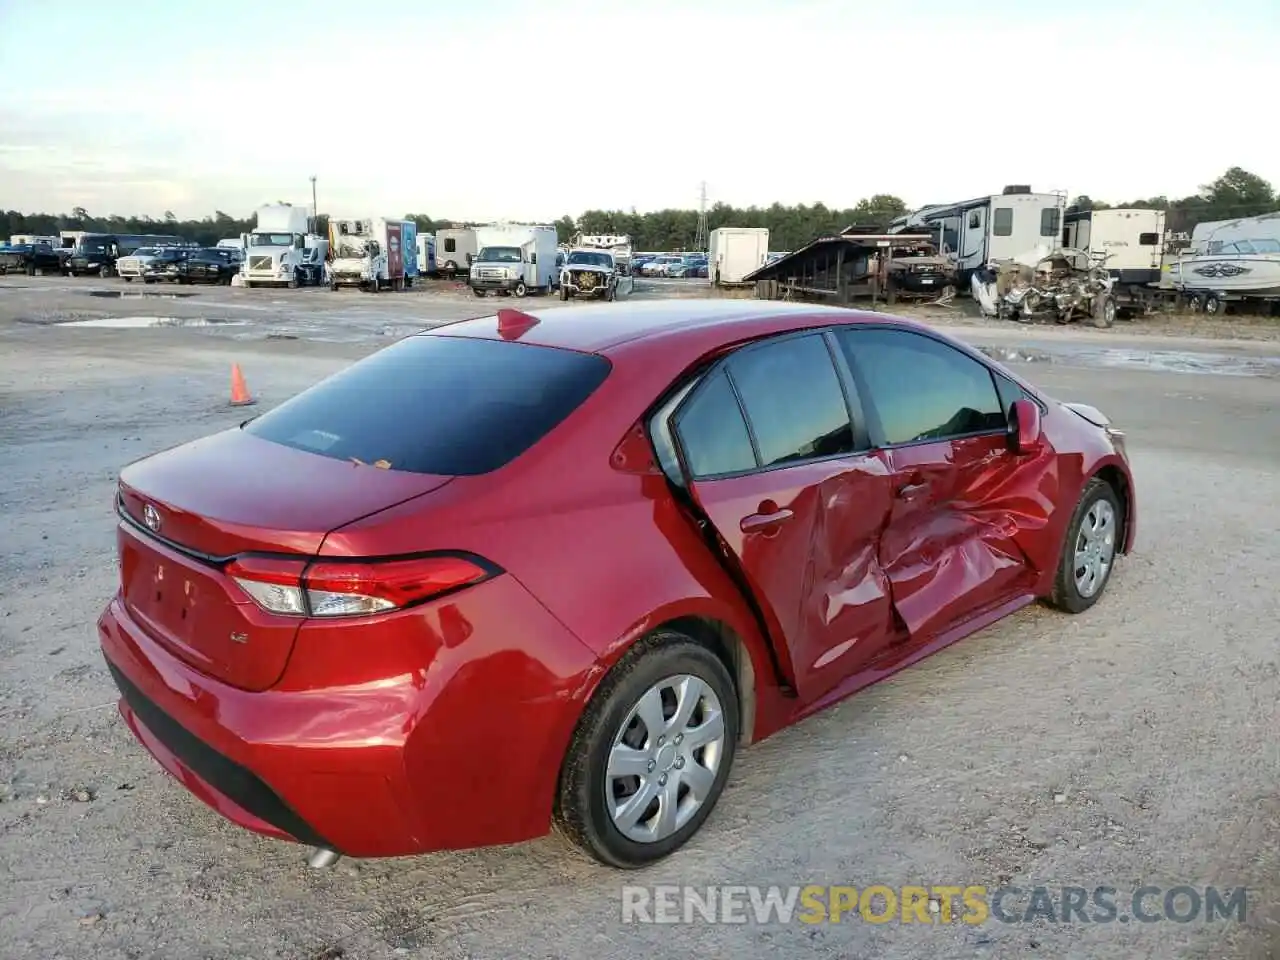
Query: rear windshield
(437, 404)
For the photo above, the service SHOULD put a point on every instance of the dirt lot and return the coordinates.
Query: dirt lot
(1133, 745)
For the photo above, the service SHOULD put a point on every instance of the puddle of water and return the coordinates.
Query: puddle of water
(134, 295)
(1161, 361)
(1180, 362)
(138, 323)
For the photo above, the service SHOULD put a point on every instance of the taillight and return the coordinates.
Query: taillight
(352, 588)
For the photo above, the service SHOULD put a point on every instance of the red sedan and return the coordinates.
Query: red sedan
(561, 565)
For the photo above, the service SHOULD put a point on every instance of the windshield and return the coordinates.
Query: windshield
(1266, 246)
(499, 255)
(349, 248)
(271, 239)
(146, 251)
(592, 259)
(92, 246)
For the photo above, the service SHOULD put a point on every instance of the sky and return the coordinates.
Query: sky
(532, 109)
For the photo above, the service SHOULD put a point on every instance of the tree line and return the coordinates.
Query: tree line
(1237, 193)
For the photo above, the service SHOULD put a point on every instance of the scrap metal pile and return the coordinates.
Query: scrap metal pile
(1061, 286)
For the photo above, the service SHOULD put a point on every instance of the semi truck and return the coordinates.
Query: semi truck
(377, 253)
(281, 250)
(515, 258)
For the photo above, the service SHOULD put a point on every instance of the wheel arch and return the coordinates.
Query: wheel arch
(1120, 482)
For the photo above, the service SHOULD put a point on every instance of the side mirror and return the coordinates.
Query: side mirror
(1024, 428)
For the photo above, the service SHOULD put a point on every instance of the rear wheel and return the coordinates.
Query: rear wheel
(651, 754)
(1090, 549)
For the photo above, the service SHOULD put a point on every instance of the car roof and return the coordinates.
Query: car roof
(601, 327)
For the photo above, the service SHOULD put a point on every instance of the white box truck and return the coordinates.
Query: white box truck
(515, 258)
(373, 254)
(735, 252)
(281, 249)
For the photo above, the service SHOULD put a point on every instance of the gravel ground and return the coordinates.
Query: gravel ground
(1132, 745)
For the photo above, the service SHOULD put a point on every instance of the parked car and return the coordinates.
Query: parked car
(614, 545)
(31, 259)
(658, 266)
(210, 265)
(159, 266)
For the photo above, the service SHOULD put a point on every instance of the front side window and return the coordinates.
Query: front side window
(793, 400)
(922, 389)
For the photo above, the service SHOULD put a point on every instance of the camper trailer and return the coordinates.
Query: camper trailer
(997, 227)
(1128, 243)
(456, 249)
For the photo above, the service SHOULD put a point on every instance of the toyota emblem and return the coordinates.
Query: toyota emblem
(151, 517)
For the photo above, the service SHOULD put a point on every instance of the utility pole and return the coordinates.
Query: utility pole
(315, 210)
(700, 241)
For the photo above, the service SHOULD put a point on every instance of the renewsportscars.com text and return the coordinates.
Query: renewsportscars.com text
(973, 904)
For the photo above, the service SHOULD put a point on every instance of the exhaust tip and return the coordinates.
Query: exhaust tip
(321, 858)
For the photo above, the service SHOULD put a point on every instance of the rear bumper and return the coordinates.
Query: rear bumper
(447, 731)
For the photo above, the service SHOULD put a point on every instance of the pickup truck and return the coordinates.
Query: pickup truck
(31, 259)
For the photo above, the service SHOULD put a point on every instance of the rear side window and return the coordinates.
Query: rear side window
(1002, 222)
(437, 404)
(712, 432)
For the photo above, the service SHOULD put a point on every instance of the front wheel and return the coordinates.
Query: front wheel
(564, 292)
(520, 289)
(651, 754)
(1089, 551)
(1104, 312)
(479, 292)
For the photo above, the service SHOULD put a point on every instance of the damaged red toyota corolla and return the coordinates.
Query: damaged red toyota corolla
(560, 566)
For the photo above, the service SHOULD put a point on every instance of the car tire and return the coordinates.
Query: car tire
(520, 289)
(1071, 592)
(564, 292)
(586, 791)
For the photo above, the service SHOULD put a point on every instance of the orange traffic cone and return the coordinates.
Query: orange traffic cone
(239, 391)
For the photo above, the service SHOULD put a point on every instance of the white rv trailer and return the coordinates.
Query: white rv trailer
(996, 227)
(456, 249)
(1127, 242)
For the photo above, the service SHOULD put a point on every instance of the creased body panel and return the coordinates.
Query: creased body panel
(966, 529)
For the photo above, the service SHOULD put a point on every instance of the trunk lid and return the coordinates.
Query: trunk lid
(189, 510)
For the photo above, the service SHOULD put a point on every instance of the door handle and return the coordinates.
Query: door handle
(763, 521)
(909, 491)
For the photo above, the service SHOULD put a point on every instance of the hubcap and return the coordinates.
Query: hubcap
(664, 759)
(1095, 548)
